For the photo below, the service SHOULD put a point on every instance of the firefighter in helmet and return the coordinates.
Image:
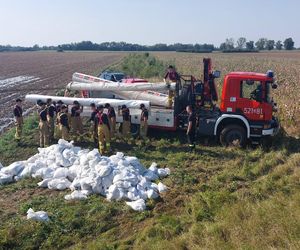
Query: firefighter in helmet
(103, 130)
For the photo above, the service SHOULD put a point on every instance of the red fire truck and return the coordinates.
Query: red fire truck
(245, 113)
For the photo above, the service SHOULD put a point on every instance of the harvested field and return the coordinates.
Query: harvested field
(36, 71)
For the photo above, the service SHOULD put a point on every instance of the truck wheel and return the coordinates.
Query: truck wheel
(135, 130)
(233, 135)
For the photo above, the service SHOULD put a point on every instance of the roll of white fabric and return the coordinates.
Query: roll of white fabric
(134, 104)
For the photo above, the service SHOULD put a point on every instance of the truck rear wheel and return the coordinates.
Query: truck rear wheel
(233, 135)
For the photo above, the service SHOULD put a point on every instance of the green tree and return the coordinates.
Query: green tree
(270, 44)
(278, 45)
(250, 45)
(241, 42)
(288, 44)
(229, 43)
(261, 43)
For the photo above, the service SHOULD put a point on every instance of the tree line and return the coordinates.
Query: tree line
(228, 46)
(261, 44)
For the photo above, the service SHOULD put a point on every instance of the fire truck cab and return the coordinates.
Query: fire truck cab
(246, 109)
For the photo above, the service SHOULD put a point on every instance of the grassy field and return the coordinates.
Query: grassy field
(218, 198)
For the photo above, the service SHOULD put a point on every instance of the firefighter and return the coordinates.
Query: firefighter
(171, 76)
(51, 118)
(63, 121)
(18, 114)
(103, 130)
(191, 129)
(126, 123)
(112, 119)
(93, 125)
(76, 122)
(144, 122)
(43, 125)
(58, 106)
(58, 110)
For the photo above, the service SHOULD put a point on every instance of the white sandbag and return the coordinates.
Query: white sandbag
(97, 185)
(153, 186)
(103, 170)
(143, 194)
(65, 143)
(61, 173)
(93, 154)
(44, 183)
(163, 172)
(138, 205)
(113, 193)
(133, 194)
(107, 181)
(76, 195)
(150, 175)
(75, 184)
(38, 216)
(152, 194)
(5, 178)
(14, 168)
(162, 187)
(59, 184)
(44, 173)
(153, 168)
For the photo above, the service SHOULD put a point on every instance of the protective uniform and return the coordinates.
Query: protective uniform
(103, 132)
(58, 111)
(93, 126)
(43, 128)
(76, 123)
(64, 125)
(18, 114)
(112, 121)
(173, 76)
(144, 124)
(51, 119)
(126, 123)
(192, 132)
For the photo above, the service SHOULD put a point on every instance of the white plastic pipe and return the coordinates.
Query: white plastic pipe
(92, 83)
(132, 104)
(119, 86)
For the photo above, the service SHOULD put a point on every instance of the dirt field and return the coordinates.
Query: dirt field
(43, 70)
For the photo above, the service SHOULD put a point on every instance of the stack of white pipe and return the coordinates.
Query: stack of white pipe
(142, 91)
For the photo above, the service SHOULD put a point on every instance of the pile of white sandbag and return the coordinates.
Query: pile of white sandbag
(63, 166)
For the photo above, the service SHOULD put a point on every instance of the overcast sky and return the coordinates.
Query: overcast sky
(53, 22)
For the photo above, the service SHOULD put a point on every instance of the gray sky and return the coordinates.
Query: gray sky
(53, 22)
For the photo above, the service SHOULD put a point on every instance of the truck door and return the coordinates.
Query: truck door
(251, 101)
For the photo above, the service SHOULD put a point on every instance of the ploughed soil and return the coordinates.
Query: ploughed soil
(23, 73)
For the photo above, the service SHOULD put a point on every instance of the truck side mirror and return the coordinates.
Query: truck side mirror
(216, 74)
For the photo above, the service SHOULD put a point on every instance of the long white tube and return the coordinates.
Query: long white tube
(92, 83)
(132, 104)
(119, 86)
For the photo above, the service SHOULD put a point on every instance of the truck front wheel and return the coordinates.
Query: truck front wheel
(233, 135)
